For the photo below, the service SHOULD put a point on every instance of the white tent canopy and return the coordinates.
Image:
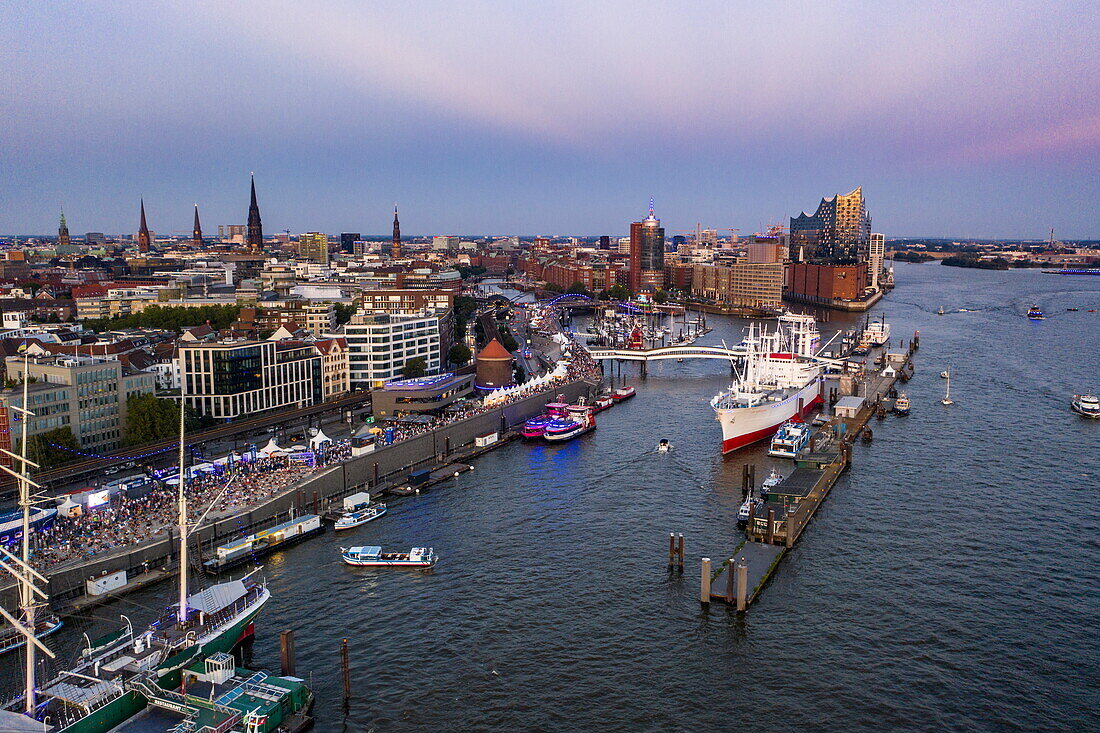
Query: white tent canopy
(319, 439)
(271, 448)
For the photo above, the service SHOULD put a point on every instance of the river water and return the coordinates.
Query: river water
(951, 579)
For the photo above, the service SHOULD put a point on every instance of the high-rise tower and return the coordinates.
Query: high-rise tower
(647, 253)
(63, 232)
(196, 231)
(395, 246)
(255, 236)
(143, 239)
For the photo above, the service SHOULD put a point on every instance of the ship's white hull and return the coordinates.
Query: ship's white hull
(743, 426)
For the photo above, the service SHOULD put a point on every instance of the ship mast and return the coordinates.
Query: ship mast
(183, 523)
(23, 572)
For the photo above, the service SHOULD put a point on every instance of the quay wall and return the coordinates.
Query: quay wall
(394, 462)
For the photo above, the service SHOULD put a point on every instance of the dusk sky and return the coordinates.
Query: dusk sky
(963, 119)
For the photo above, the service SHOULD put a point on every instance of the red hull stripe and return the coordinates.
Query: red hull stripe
(741, 441)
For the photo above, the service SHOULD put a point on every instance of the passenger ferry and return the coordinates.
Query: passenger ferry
(359, 517)
(901, 405)
(789, 440)
(373, 557)
(1086, 405)
(536, 426)
(1035, 314)
(578, 421)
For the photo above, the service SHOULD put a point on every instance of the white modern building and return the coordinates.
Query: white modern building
(876, 258)
(379, 344)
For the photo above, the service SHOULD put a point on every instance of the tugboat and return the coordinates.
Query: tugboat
(578, 421)
(1035, 314)
(790, 439)
(1086, 405)
(901, 405)
(664, 446)
(359, 517)
(623, 393)
(373, 557)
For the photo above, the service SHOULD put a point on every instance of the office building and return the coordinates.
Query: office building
(313, 246)
(379, 345)
(742, 285)
(226, 380)
(444, 243)
(348, 240)
(406, 302)
(647, 254)
(605, 242)
(88, 395)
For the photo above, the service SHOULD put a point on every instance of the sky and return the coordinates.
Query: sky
(959, 119)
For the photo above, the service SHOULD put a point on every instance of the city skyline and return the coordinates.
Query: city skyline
(499, 120)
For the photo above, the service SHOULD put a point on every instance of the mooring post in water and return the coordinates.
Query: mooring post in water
(347, 672)
(752, 477)
(680, 553)
(704, 582)
(729, 581)
(671, 550)
(742, 584)
(744, 480)
(286, 652)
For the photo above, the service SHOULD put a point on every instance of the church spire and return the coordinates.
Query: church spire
(395, 248)
(196, 231)
(63, 231)
(255, 236)
(143, 240)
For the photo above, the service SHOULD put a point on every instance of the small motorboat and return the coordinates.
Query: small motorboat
(1086, 405)
(664, 446)
(602, 402)
(1073, 310)
(745, 511)
(1035, 313)
(623, 393)
(680, 361)
(941, 312)
(945, 374)
(359, 517)
(774, 479)
(373, 557)
(901, 405)
(791, 437)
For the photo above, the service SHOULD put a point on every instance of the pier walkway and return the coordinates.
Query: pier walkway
(776, 525)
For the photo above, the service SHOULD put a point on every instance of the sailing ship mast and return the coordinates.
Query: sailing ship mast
(23, 572)
(183, 523)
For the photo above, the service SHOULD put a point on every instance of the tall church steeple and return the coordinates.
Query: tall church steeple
(144, 240)
(196, 231)
(63, 231)
(255, 236)
(395, 247)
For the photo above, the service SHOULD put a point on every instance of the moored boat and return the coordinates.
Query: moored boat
(359, 517)
(579, 420)
(11, 639)
(1086, 405)
(901, 405)
(623, 393)
(780, 379)
(877, 333)
(603, 402)
(774, 479)
(240, 551)
(791, 438)
(373, 557)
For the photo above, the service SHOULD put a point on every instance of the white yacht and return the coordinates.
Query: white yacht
(1086, 405)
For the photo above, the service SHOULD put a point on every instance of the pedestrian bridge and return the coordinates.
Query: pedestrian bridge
(668, 352)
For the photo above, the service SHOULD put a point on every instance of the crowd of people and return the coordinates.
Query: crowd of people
(125, 521)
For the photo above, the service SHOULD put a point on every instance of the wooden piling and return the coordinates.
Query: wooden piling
(729, 583)
(752, 477)
(744, 479)
(704, 582)
(771, 525)
(286, 652)
(742, 585)
(347, 672)
(671, 550)
(680, 553)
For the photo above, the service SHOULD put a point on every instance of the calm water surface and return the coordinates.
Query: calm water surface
(951, 580)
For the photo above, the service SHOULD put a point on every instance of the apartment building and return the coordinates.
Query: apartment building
(379, 344)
